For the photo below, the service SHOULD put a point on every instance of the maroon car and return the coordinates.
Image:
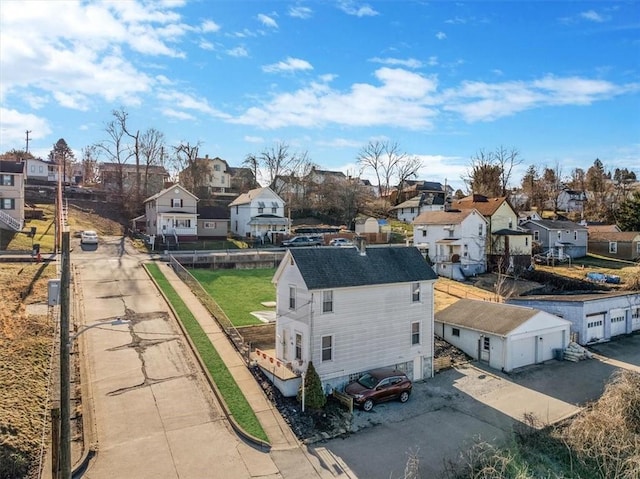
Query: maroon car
(379, 385)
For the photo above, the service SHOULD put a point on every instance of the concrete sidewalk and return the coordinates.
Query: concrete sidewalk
(290, 456)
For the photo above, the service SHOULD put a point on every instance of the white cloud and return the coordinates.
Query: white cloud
(209, 26)
(300, 12)
(592, 15)
(267, 21)
(341, 143)
(13, 124)
(74, 101)
(433, 61)
(238, 52)
(441, 35)
(188, 102)
(351, 7)
(408, 63)
(178, 115)
(253, 139)
(480, 101)
(401, 99)
(206, 45)
(289, 65)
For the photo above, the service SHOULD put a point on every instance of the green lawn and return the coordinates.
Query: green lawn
(238, 291)
(233, 397)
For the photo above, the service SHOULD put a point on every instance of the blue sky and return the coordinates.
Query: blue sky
(558, 81)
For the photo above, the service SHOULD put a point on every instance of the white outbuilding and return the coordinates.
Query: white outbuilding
(501, 335)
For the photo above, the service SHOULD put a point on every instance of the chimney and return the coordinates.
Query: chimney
(361, 244)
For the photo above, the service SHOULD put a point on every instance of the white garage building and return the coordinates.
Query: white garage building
(594, 317)
(504, 336)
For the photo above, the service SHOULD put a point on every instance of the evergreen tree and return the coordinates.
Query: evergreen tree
(628, 213)
(314, 397)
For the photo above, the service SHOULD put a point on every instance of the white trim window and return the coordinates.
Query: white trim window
(415, 333)
(415, 292)
(327, 301)
(176, 202)
(536, 236)
(326, 348)
(298, 346)
(292, 297)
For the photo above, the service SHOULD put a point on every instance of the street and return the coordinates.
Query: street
(154, 416)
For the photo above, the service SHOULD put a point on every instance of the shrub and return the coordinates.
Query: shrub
(314, 397)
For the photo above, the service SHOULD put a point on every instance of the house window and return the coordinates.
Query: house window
(465, 253)
(412, 210)
(613, 247)
(6, 180)
(327, 348)
(455, 332)
(486, 343)
(237, 210)
(216, 167)
(575, 235)
(210, 224)
(7, 204)
(635, 313)
(510, 223)
(559, 234)
(526, 241)
(327, 301)
(292, 297)
(41, 169)
(480, 229)
(182, 223)
(298, 346)
(260, 207)
(415, 333)
(536, 236)
(33, 168)
(274, 210)
(415, 292)
(424, 233)
(176, 202)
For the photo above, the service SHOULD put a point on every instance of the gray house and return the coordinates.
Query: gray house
(594, 317)
(558, 239)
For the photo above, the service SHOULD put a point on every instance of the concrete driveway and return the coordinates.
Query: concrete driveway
(448, 412)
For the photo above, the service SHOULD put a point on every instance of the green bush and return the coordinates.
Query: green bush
(314, 397)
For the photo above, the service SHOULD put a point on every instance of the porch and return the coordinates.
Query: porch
(281, 374)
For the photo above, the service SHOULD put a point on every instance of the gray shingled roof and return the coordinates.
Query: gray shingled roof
(328, 267)
(495, 318)
(558, 224)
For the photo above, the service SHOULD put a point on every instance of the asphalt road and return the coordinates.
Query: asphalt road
(446, 414)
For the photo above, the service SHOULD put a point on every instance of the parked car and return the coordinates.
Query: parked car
(303, 241)
(88, 237)
(379, 385)
(340, 242)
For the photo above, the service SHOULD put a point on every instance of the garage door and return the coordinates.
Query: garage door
(523, 352)
(635, 319)
(595, 327)
(618, 321)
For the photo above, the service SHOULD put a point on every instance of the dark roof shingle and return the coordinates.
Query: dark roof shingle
(327, 268)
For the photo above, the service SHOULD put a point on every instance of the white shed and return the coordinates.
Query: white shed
(504, 336)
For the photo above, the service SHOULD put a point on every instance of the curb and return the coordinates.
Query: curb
(252, 440)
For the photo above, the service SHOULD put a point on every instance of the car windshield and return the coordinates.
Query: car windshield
(368, 381)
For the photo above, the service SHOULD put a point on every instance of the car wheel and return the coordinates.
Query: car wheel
(368, 405)
(404, 397)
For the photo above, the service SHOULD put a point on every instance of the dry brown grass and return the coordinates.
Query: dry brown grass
(25, 349)
(607, 435)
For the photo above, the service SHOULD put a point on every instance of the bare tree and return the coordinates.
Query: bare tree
(507, 160)
(552, 185)
(151, 148)
(485, 175)
(407, 168)
(371, 158)
(89, 165)
(116, 151)
(190, 170)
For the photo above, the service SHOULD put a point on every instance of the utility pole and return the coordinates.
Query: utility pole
(27, 147)
(65, 386)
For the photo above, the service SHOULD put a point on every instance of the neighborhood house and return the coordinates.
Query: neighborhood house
(349, 310)
(258, 213)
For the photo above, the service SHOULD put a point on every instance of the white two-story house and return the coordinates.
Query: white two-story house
(171, 215)
(453, 241)
(508, 245)
(258, 212)
(349, 310)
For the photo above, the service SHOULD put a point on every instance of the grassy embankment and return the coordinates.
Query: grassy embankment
(233, 397)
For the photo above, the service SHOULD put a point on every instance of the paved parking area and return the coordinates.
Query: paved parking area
(446, 413)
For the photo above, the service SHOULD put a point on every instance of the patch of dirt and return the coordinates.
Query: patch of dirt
(444, 349)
